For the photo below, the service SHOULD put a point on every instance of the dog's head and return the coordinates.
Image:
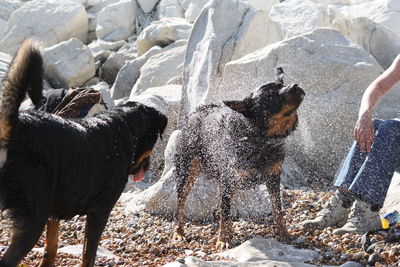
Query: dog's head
(272, 107)
(146, 125)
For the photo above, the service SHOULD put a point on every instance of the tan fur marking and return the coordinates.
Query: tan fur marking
(274, 169)
(51, 246)
(4, 130)
(280, 124)
(142, 158)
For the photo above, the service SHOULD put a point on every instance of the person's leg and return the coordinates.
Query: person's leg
(372, 181)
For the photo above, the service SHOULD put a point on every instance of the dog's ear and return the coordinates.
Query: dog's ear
(242, 106)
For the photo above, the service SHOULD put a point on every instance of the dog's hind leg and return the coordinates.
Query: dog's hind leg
(50, 249)
(95, 224)
(188, 173)
(225, 219)
(273, 184)
(24, 237)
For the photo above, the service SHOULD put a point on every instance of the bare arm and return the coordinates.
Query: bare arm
(364, 129)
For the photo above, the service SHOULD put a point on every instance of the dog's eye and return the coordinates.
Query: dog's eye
(287, 114)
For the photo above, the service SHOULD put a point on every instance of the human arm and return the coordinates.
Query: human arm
(364, 128)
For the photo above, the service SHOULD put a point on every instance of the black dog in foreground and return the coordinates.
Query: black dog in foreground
(52, 167)
(239, 144)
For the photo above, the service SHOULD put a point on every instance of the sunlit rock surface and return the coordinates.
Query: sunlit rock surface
(377, 39)
(116, 21)
(385, 12)
(163, 33)
(69, 63)
(48, 22)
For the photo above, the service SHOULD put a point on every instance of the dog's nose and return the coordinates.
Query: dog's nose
(297, 90)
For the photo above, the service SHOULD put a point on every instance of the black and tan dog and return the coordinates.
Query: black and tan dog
(239, 144)
(57, 168)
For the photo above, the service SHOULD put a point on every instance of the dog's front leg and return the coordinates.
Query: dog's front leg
(50, 249)
(225, 220)
(273, 178)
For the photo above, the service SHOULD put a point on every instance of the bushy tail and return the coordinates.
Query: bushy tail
(25, 74)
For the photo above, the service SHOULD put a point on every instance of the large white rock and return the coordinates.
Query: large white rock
(386, 12)
(163, 33)
(104, 89)
(377, 39)
(147, 5)
(69, 63)
(117, 21)
(263, 4)
(159, 69)
(5, 61)
(220, 33)
(334, 73)
(7, 7)
(161, 198)
(130, 72)
(49, 22)
(99, 48)
(170, 8)
(294, 17)
(194, 10)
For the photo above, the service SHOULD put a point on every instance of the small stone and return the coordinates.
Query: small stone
(374, 258)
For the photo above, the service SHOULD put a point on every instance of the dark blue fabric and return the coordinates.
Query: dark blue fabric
(367, 176)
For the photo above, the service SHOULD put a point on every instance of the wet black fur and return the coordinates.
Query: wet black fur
(59, 168)
(231, 136)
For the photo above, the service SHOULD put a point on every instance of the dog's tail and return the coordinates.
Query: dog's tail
(24, 74)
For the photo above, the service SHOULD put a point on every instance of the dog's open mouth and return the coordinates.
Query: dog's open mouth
(138, 176)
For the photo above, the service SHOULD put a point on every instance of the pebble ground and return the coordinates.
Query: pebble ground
(142, 239)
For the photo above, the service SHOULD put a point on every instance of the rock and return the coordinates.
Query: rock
(172, 96)
(257, 249)
(374, 258)
(68, 64)
(131, 71)
(375, 38)
(263, 4)
(50, 22)
(77, 251)
(100, 48)
(159, 69)
(104, 89)
(161, 198)
(221, 32)
(111, 67)
(194, 9)
(385, 12)
(5, 61)
(7, 7)
(330, 108)
(116, 21)
(163, 33)
(351, 264)
(170, 8)
(305, 16)
(147, 5)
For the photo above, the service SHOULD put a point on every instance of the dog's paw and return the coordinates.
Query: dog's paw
(221, 245)
(178, 234)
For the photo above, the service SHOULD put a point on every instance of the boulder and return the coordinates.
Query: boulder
(334, 72)
(222, 31)
(69, 63)
(294, 17)
(170, 8)
(101, 49)
(50, 22)
(104, 89)
(162, 33)
(264, 5)
(161, 198)
(159, 69)
(147, 5)
(116, 21)
(5, 61)
(194, 10)
(385, 12)
(7, 7)
(375, 38)
(131, 71)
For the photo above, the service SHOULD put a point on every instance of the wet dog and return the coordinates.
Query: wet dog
(239, 144)
(52, 167)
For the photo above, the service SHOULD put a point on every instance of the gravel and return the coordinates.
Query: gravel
(142, 239)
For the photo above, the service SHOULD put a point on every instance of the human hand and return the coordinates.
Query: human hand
(364, 132)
